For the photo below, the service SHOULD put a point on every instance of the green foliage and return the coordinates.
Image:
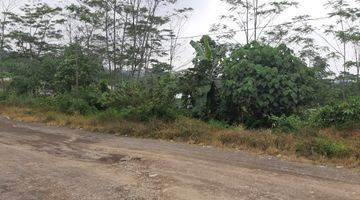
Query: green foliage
(330, 148)
(218, 124)
(260, 81)
(203, 48)
(323, 146)
(199, 84)
(3, 96)
(153, 98)
(286, 124)
(340, 115)
(69, 104)
(108, 115)
(30, 76)
(77, 69)
(36, 25)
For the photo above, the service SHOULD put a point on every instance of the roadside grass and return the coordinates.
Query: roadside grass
(327, 146)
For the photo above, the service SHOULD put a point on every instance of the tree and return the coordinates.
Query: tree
(251, 17)
(345, 30)
(129, 35)
(326, 87)
(199, 85)
(6, 7)
(260, 81)
(299, 34)
(34, 28)
(177, 22)
(30, 76)
(77, 70)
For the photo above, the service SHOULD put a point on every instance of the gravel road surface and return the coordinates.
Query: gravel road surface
(39, 162)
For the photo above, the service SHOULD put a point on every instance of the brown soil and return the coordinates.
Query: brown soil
(39, 162)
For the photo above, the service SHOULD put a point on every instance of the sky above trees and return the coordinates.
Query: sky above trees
(207, 12)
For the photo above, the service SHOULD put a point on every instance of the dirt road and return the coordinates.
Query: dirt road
(38, 162)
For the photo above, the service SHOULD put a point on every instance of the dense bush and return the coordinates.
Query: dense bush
(218, 124)
(287, 124)
(323, 146)
(70, 104)
(3, 96)
(330, 148)
(260, 81)
(338, 115)
(77, 69)
(143, 100)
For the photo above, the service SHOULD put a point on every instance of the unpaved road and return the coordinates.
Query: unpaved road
(38, 162)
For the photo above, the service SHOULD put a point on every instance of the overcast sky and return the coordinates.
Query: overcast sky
(207, 12)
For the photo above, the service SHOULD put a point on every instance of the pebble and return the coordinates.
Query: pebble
(153, 175)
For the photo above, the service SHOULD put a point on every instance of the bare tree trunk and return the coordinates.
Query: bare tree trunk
(147, 34)
(6, 7)
(2, 41)
(107, 43)
(357, 57)
(344, 64)
(172, 50)
(122, 46)
(247, 21)
(114, 40)
(256, 4)
(135, 19)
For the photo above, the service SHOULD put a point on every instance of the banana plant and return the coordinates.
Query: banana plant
(201, 79)
(203, 51)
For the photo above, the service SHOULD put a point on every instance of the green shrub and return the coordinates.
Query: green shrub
(68, 104)
(330, 148)
(3, 96)
(341, 115)
(259, 81)
(140, 113)
(218, 124)
(287, 124)
(143, 101)
(82, 107)
(108, 115)
(42, 102)
(64, 103)
(322, 146)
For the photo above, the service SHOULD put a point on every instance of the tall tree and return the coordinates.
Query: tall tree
(345, 30)
(35, 29)
(6, 7)
(251, 17)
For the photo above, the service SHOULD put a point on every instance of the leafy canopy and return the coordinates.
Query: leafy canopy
(260, 81)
